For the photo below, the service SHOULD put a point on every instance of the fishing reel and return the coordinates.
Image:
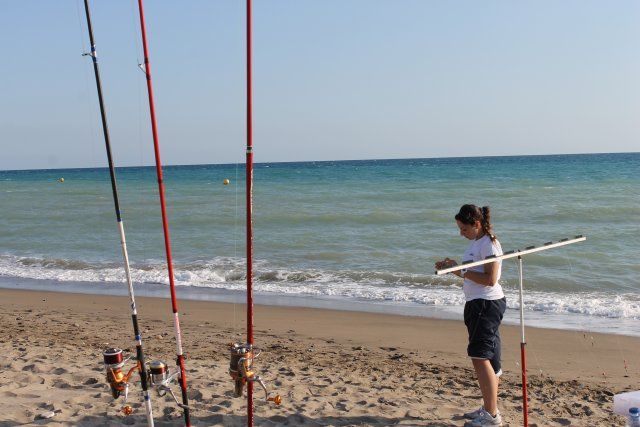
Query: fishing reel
(158, 374)
(241, 357)
(161, 377)
(114, 362)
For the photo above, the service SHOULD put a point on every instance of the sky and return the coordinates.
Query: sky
(333, 79)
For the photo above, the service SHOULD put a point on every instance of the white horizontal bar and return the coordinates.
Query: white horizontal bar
(512, 254)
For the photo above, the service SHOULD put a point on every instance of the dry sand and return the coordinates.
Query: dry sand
(331, 367)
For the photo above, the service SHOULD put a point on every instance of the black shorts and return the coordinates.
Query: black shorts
(482, 318)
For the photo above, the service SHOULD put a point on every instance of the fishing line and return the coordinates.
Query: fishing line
(132, 26)
(134, 36)
(622, 355)
(90, 110)
(141, 152)
(587, 335)
(134, 33)
(235, 250)
(81, 27)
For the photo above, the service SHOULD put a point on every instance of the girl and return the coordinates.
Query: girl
(484, 308)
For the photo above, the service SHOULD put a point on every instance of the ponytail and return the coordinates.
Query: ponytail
(485, 222)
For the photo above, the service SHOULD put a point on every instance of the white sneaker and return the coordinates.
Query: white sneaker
(486, 419)
(474, 414)
(499, 373)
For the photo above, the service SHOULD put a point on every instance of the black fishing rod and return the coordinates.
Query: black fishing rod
(113, 357)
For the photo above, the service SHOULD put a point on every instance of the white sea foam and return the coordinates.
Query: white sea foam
(386, 287)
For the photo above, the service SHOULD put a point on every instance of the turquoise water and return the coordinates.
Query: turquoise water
(359, 231)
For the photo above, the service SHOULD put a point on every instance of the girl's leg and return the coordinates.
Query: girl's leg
(488, 384)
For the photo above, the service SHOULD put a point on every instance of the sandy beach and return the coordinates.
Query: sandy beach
(330, 367)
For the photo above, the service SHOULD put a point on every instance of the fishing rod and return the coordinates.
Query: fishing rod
(113, 358)
(517, 254)
(161, 373)
(249, 209)
(242, 355)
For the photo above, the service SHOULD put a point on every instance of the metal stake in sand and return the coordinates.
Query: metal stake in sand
(523, 343)
(517, 254)
(123, 242)
(165, 223)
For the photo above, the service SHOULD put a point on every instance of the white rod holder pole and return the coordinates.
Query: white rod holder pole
(512, 254)
(523, 351)
(521, 281)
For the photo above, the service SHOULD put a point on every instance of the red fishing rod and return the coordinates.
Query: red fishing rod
(242, 355)
(165, 222)
(113, 357)
(249, 190)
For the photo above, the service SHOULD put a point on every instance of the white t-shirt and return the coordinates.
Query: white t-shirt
(478, 250)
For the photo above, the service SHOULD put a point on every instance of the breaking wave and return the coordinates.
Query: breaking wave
(375, 286)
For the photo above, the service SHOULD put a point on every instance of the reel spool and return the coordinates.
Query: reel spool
(158, 372)
(241, 357)
(118, 381)
(161, 378)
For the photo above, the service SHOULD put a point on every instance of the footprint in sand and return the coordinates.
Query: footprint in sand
(169, 410)
(59, 383)
(91, 381)
(226, 403)
(32, 368)
(195, 395)
(25, 379)
(30, 396)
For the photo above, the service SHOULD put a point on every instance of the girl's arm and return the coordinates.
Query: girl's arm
(488, 278)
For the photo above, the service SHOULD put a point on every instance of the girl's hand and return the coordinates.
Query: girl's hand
(446, 263)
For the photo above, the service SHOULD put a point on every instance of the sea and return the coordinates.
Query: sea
(346, 235)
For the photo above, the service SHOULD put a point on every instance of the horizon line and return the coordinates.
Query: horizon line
(326, 161)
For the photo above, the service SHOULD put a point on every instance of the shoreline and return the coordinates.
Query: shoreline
(533, 319)
(331, 367)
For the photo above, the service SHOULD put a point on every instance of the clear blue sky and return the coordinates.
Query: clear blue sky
(334, 79)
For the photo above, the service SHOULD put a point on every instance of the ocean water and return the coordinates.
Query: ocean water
(344, 234)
